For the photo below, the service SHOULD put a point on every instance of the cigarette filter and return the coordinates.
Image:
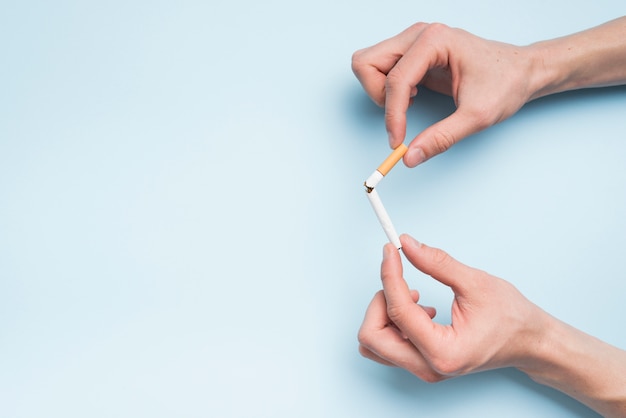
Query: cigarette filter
(384, 218)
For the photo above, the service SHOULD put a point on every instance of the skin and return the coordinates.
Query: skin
(489, 81)
(493, 325)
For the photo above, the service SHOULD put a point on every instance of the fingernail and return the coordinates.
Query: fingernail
(385, 251)
(414, 156)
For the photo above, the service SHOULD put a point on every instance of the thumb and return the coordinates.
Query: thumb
(440, 136)
(438, 264)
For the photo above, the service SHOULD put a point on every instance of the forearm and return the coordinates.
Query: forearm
(593, 58)
(581, 366)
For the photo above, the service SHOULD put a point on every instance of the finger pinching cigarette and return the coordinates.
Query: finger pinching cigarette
(384, 168)
(384, 218)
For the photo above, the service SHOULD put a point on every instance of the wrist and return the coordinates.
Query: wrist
(592, 58)
(544, 360)
(551, 69)
(579, 365)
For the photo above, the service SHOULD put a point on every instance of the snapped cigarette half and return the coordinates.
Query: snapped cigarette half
(385, 167)
(383, 218)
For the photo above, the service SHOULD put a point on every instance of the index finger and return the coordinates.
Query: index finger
(371, 65)
(401, 81)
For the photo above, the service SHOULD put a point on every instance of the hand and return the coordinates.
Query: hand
(488, 80)
(493, 324)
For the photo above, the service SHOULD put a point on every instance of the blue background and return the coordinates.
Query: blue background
(183, 230)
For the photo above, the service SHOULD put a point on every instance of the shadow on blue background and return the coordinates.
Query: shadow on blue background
(468, 387)
(429, 107)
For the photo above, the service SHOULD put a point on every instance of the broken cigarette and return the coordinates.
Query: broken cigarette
(383, 218)
(384, 168)
(374, 198)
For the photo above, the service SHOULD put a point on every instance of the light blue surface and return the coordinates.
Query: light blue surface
(183, 230)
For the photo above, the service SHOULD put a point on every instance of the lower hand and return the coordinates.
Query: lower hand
(493, 325)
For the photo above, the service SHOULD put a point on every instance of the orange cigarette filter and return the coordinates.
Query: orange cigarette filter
(393, 158)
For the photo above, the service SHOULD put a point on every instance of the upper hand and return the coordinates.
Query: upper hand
(489, 81)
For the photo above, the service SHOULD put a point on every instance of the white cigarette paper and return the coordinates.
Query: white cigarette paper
(383, 218)
(373, 180)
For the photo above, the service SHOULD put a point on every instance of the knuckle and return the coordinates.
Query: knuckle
(441, 258)
(397, 313)
(431, 377)
(418, 26)
(455, 360)
(364, 351)
(480, 279)
(436, 30)
(379, 99)
(443, 140)
(446, 366)
(482, 117)
(391, 119)
(364, 338)
(394, 78)
(358, 60)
